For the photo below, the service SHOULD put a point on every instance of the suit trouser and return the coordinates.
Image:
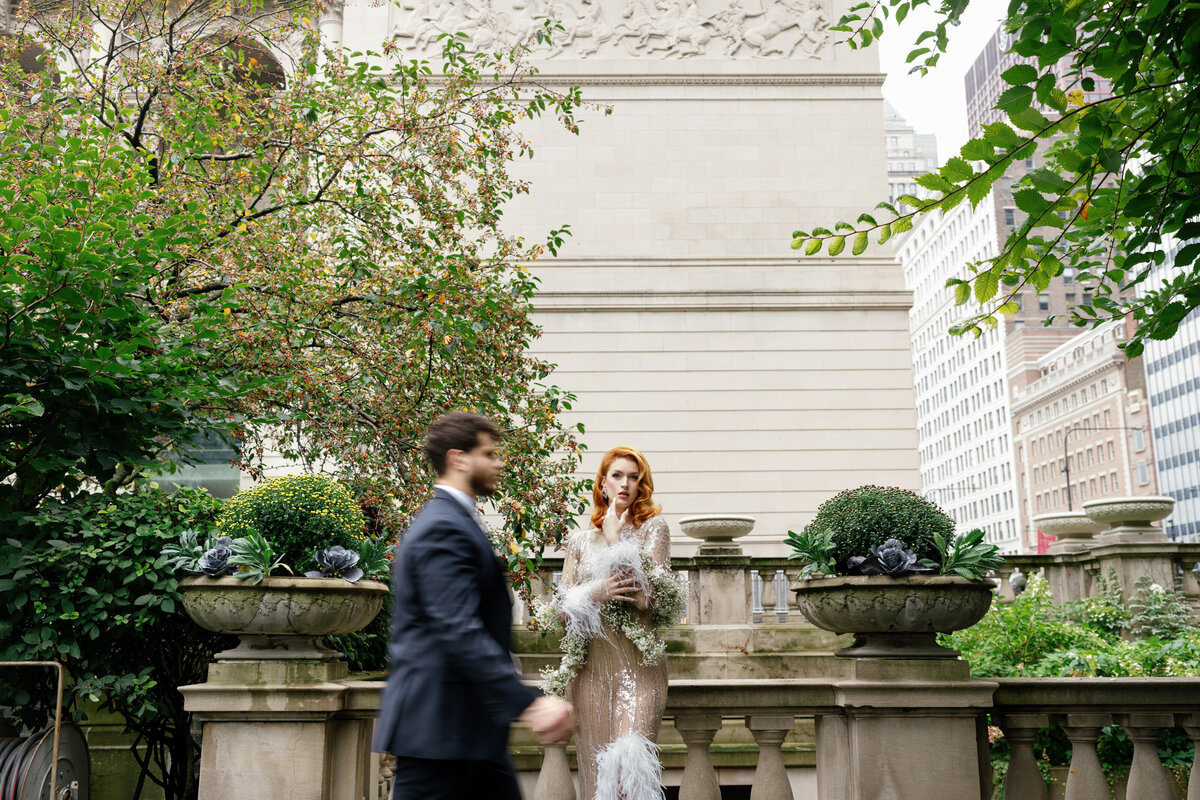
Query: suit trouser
(454, 779)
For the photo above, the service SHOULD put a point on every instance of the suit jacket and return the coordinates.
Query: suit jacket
(453, 689)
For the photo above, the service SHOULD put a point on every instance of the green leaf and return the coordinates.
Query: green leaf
(957, 170)
(1019, 74)
(837, 245)
(860, 243)
(1015, 99)
(885, 233)
(977, 150)
(986, 285)
(962, 293)
(813, 246)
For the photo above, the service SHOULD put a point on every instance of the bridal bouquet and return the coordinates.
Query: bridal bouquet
(667, 606)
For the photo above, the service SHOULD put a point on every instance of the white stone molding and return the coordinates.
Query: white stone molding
(655, 29)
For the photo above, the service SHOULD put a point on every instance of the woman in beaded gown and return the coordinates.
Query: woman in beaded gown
(620, 690)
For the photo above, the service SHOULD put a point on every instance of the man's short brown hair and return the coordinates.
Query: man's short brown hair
(458, 430)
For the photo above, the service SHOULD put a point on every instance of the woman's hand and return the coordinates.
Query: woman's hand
(620, 588)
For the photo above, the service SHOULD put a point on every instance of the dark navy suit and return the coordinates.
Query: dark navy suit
(453, 689)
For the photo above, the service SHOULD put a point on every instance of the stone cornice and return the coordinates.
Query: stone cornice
(1047, 395)
(709, 79)
(573, 302)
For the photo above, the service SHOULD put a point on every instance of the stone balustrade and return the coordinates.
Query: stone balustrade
(898, 729)
(1082, 707)
(757, 590)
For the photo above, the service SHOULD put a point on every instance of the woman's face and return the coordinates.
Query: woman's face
(621, 483)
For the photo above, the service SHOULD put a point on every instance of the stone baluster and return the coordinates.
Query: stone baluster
(1086, 779)
(387, 764)
(756, 596)
(781, 596)
(769, 590)
(770, 776)
(1005, 590)
(554, 781)
(1188, 584)
(1024, 779)
(1148, 778)
(1191, 724)
(699, 781)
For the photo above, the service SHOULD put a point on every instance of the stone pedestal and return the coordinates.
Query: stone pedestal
(719, 586)
(910, 730)
(1132, 560)
(270, 732)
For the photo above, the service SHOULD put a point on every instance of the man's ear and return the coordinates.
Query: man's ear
(452, 457)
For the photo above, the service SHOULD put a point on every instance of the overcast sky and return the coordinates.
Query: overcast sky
(936, 103)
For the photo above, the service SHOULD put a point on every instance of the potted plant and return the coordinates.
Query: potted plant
(284, 525)
(884, 564)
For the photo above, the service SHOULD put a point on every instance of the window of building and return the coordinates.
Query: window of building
(1139, 439)
(1142, 472)
(1103, 484)
(1043, 303)
(1070, 298)
(1029, 163)
(1107, 419)
(1010, 217)
(1112, 478)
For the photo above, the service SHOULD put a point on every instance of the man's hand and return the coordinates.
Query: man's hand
(551, 719)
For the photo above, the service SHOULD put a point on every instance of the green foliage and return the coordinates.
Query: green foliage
(1159, 612)
(1105, 610)
(1121, 178)
(191, 234)
(866, 517)
(1032, 637)
(375, 558)
(184, 555)
(95, 384)
(815, 550)
(966, 555)
(255, 558)
(83, 583)
(1013, 639)
(298, 515)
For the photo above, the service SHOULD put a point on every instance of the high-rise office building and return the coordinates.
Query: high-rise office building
(1173, 386)
(960, 382)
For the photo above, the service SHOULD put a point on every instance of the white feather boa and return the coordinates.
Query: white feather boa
(629, 769)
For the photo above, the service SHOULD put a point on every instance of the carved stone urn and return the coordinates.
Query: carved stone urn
(716, 530)
(281, 618)
(1129, 519)
(894, 617)
(1072, 530)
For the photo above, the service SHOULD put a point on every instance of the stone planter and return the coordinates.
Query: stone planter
(716, 530)
(1130, 518)
(1073, 530)
(281, 618)
(894, 617)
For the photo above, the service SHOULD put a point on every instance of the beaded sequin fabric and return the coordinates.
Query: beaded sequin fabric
(619, 700)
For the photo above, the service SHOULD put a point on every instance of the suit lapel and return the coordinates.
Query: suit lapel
(470, 523)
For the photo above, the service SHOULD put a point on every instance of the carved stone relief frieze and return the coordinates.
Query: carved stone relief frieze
(674, 29)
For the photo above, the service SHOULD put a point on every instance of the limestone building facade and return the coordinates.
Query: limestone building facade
(755, 382)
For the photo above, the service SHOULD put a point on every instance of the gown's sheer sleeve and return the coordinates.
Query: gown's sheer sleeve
(665, 591)
(574, 601)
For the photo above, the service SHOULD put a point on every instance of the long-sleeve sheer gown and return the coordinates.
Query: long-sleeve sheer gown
(619, 700)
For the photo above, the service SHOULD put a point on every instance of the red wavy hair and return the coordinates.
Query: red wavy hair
(643, 507)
